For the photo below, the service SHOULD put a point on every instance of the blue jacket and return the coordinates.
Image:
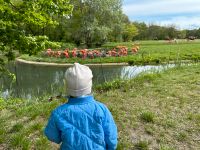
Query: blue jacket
(82, 124)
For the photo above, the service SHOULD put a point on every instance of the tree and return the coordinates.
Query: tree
(172, 32)
(198, 33)
(129, 32)
(93, 21)
(20, 21)
(142, 31)
(116, 34)
(181, 34)
(153, 31)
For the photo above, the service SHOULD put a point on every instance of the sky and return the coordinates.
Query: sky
(184, 14)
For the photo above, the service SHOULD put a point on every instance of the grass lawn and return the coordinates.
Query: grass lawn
(153, 111)
(150, 52)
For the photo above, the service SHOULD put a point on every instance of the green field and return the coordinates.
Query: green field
(150, 52)
(153, 111)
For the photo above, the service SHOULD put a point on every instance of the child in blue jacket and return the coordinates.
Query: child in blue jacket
(82, 123)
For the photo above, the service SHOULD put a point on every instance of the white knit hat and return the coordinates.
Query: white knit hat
(78, 80)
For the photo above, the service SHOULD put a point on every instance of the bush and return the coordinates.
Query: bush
(131, 62)
(53, 45)
(2, 104)
(68, 45)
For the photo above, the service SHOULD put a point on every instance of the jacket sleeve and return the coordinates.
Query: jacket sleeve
(110, 131)
(51, 130)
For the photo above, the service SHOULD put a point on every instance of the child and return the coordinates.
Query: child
(82, 123)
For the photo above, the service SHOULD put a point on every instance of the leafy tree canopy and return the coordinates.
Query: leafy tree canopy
(92, 21)
(17, 16)
(129, 32)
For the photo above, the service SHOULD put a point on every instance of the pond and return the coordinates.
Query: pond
(36, 80)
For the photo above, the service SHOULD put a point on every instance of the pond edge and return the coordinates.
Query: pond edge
(18, 60)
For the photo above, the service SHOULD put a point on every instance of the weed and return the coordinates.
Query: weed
(36, 126)
(121, 146)
(150, 129)
(194, 117)
(17, 127)
(2, 134)
(147, 116)
(170, 124)
(19, 141)
(141, 145)
(165, 147)
(116, 84)
(182, 136)
(42, 144)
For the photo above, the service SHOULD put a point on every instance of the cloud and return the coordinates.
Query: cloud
(162, 7)
(182, 22)
(182, 13)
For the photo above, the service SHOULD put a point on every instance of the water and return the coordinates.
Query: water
(35, 80)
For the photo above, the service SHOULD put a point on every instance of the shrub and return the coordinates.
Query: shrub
(2, 104)
(68, 45)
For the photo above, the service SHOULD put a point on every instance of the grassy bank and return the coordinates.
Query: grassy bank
(150, 52)
(153, 111)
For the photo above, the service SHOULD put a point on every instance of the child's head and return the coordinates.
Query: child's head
(78, 80)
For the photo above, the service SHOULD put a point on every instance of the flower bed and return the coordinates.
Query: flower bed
(85, 53)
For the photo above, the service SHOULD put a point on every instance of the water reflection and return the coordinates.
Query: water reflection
(33, 81)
